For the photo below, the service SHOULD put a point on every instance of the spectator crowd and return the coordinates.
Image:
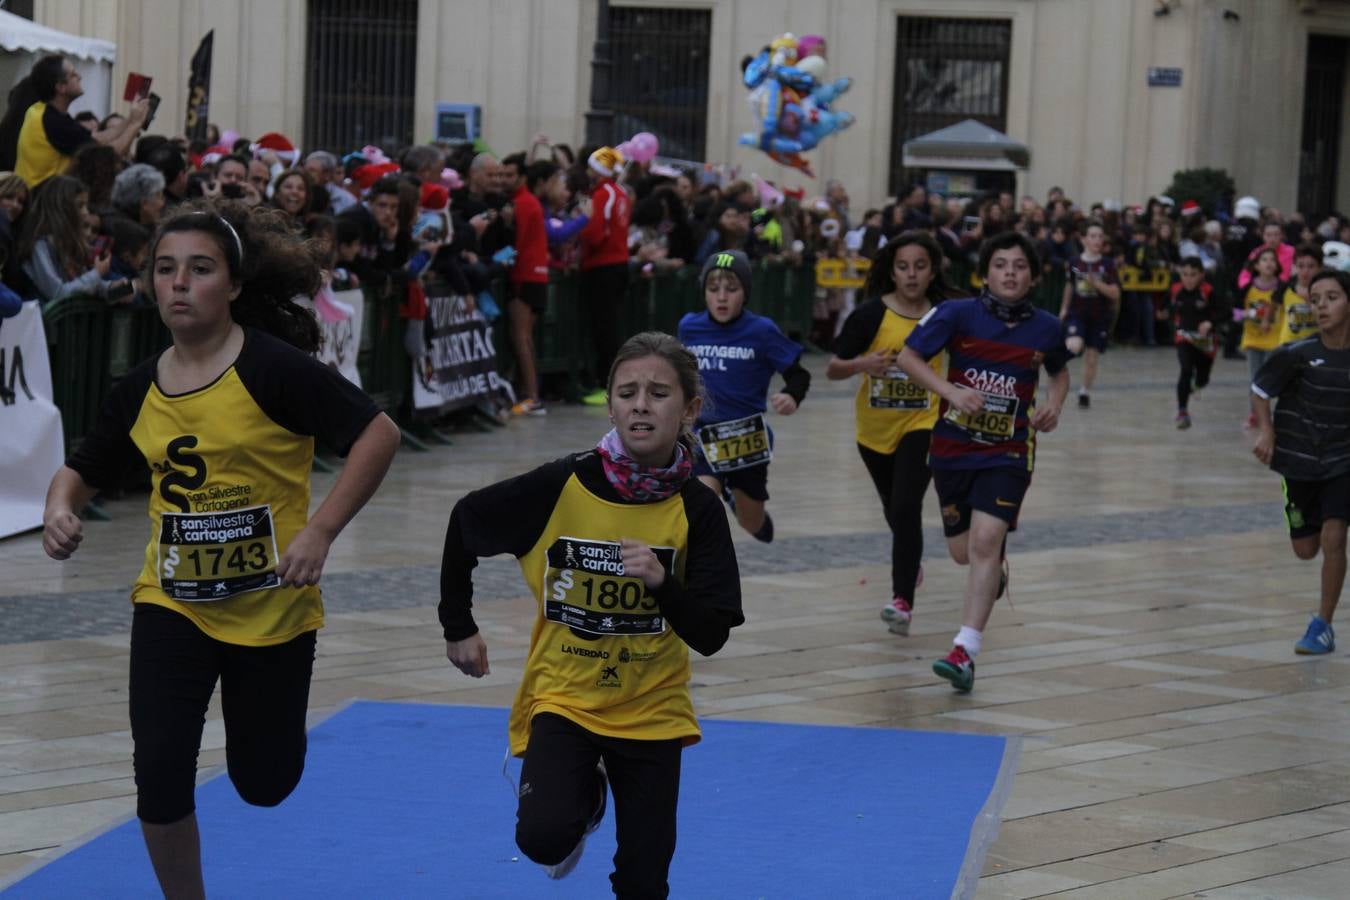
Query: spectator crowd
(80, 198)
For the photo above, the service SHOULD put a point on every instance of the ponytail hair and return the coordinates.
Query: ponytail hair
(269, 261)
(685, 364)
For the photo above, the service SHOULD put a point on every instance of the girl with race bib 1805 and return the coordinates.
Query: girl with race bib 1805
(630, 562)
(738, 353)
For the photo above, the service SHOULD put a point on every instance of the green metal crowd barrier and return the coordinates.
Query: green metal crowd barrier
(562, 335)
(92, 344)
(386, 371)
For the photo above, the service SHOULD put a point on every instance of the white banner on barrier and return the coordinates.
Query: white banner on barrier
(31, 444)
(458, 365)
(340, 316)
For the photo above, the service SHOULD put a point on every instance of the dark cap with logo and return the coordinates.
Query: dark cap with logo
(733, 260)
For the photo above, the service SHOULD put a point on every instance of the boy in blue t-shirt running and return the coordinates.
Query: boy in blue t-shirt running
(984, 442)
(738, 353)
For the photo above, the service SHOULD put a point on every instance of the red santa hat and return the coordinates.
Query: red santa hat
(213, 155)
(434, 196)
(370, 173)
(1189, 208)
(278, 143)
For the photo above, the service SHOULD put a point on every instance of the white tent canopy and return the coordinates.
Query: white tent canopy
(23, 43)
(966, 145)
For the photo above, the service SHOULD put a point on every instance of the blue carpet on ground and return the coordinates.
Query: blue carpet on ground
(407, 800)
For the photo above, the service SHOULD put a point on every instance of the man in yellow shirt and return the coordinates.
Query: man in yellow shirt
(49, 136)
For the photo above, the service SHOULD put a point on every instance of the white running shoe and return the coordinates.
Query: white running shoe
(564, 868)
(897, 615)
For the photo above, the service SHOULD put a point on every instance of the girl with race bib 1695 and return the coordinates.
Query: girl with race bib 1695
(738, 353)
(895, 416)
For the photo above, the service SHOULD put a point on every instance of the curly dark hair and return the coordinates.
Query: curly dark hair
(271, 262)
(881, 277)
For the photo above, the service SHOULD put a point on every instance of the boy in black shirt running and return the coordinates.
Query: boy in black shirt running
(1308, 442)
(1193, 319)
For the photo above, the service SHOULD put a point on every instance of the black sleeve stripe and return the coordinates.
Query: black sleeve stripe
(301, 394)
(107, 453)
(860, 328)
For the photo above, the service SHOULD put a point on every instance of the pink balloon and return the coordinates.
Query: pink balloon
(626, 148)
(228, 137)
(645, 146)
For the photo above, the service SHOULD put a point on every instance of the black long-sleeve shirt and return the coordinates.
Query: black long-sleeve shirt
(510, 517)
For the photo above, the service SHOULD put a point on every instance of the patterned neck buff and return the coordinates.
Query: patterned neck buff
(1007, 312)
(637, 482)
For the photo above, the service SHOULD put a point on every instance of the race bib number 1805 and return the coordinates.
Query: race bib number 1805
(586, 589)
(211, 556)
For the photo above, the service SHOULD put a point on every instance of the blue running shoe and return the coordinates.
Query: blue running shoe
(1319, 638)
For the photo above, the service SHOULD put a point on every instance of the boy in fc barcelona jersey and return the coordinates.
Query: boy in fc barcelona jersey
(984, 442)
(738, 353)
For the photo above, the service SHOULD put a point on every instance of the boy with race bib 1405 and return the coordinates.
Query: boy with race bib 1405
(738, 353)
(983, 445)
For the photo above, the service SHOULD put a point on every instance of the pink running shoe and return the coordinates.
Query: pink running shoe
(897, 615)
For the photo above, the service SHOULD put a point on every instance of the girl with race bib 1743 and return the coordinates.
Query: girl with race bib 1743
(738, 353)
(226, 420)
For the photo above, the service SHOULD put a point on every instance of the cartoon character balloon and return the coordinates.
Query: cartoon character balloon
(791, 99)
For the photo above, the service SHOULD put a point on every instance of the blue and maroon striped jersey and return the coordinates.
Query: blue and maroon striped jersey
(1001, 360)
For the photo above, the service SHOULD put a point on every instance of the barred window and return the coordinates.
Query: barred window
(659, 82)
(361, 58)
(947, 71)
(1323, 105)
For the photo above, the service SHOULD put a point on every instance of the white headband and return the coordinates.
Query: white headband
(238, 244)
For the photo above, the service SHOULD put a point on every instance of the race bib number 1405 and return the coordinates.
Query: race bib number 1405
(994, 423)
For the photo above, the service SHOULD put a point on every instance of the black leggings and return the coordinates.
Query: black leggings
(604, 290)
(558, 795)
(264, 692)
(902, 480)
(1194, 366)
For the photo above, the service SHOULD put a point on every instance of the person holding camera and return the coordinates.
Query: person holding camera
(49, 137)
(55, 247)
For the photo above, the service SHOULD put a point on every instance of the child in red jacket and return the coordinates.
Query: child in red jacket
(604, 261)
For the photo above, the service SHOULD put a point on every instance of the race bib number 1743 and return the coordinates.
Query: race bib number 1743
(211, 556)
